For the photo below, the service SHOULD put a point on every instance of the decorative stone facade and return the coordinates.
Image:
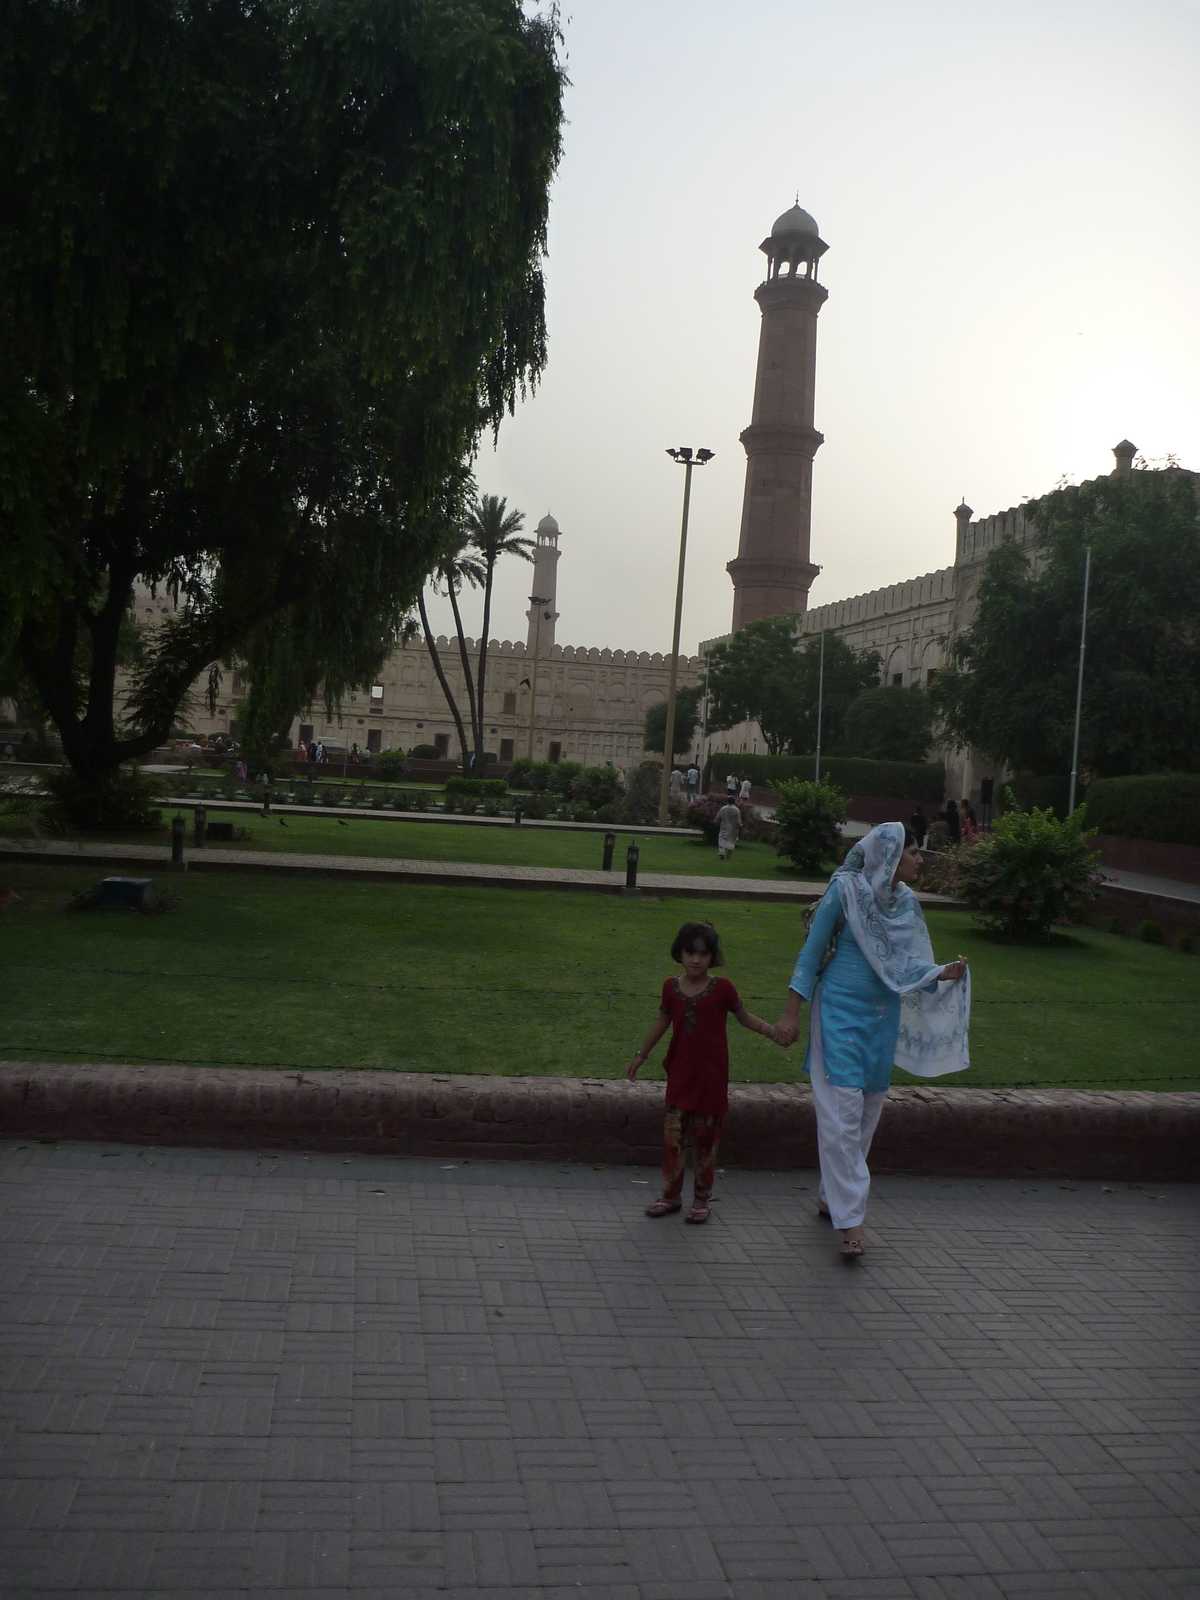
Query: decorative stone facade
(589, 704)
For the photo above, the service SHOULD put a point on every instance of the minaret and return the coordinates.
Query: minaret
(772, 572)
(540, 638)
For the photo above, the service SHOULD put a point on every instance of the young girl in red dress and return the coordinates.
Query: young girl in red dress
(696, 1007)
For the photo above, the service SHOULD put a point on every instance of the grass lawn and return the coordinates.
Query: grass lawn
(499, 846)
(423, 978)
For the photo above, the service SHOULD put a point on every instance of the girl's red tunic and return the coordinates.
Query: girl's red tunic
(698, 1055)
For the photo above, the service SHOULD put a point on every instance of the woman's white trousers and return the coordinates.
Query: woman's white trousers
(846, 1123)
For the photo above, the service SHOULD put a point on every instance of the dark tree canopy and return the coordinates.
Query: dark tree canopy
(269, 270)
(1010, 686)
(765, 673)
(687, 715)
(889, 723)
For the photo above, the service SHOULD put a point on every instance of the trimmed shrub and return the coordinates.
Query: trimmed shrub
(562, 776)
(118, 801)
(1030, 872)
(478, 788)
(808, 817)
(914, 780)
(388, 763)
(1162, 806)
(1027, 792)
(535, 806)
(640, 804)
(595, 787)
(424, 752)
(1150, 932)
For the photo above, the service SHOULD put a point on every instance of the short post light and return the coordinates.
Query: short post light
(687, 458)
(631, 865)
(199, 827)
(177, 828)
(610, 840)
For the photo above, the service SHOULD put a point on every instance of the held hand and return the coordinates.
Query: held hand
(955, 970)
(786, 1032)
(631, 1071)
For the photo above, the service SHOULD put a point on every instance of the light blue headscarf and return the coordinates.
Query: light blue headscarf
(889, 928)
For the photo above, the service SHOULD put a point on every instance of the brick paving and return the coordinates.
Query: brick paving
(230, 1373)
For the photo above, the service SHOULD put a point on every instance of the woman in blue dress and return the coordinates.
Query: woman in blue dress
(879, 999)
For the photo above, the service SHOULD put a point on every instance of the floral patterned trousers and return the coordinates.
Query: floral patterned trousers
(681, 1128)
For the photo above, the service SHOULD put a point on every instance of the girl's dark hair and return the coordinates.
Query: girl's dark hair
(694, 933)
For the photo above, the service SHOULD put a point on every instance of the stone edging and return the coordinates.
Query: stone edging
(937, 1131)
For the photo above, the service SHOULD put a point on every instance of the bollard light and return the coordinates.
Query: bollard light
(199, 827)
(610, 840)
(517, 814)
(631, 865)
(177, 826)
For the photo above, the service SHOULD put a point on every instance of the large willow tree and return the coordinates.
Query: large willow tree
(270, 268)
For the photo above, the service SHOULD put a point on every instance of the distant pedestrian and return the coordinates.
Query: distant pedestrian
(320, 752)
(918, 825)
(744, 791)
(953, 823)
(675, 785)
(693, 781)
(968, 822)
(239, 770)
(731, 784)
(302, 751)
(312, 751)
(696, 1006)
(729, 825)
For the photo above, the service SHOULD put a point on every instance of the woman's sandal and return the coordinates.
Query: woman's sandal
(698, 1213)
(663, 1208)
(852, 1249)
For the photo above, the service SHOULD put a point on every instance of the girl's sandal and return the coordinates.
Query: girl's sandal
(663, 1208)
(852, 1249)
(698, 1213)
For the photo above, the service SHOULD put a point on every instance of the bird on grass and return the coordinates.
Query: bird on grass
(282, 823)
(341, 823)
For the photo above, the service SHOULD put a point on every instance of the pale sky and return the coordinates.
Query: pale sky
(1011, 202)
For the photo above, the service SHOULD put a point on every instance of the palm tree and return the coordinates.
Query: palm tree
(492, 530)
(456, 568)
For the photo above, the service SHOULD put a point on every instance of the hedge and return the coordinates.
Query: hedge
(911, 780)
(478, 788)
(1163, 806)
(1049, 793)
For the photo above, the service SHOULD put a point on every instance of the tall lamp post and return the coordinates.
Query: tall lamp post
(1087, 574)
(537, 601)
(687, 459)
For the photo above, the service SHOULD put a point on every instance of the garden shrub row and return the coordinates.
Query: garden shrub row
(914, 780)
(478, 788)
(1162, 806)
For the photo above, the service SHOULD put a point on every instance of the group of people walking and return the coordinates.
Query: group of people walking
(877, 999)
(958, 819)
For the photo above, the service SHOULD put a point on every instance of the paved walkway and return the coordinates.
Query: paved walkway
(228, 1374)
(392, 869)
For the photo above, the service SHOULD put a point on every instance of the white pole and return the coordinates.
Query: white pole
(820, 702)
(1087, 573)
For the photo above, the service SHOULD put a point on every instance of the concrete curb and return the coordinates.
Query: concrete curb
(937, 1131)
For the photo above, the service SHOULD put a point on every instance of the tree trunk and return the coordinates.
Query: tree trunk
(481, 720)
(440, 672)
(468, 678)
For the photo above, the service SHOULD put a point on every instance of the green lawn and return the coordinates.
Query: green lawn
(504, 845)
(309, 973)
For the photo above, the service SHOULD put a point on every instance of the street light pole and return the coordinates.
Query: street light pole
(687, 458)
(537, 601)
(1087, 573)
(820, 707)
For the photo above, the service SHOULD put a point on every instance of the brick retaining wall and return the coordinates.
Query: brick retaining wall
(942, 1131)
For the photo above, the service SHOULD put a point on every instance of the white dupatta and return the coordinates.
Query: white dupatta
(889, 928)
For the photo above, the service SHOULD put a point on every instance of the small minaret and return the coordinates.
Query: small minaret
(540, 638)
(962, 525)
(772, 572)
(1124, 454)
